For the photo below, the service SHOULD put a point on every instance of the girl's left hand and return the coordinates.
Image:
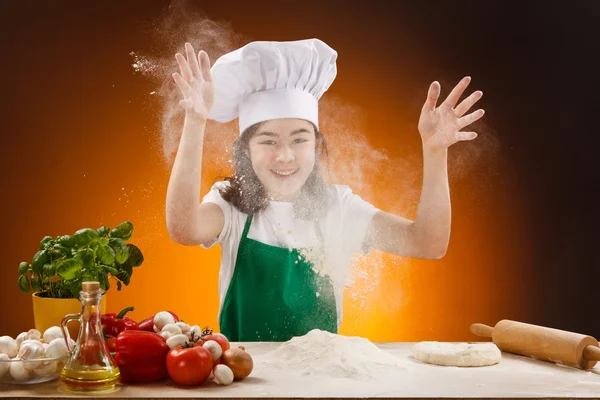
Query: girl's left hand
(440, 126)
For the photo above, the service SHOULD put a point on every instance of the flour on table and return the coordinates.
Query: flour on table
(457, 354)
(325, 354)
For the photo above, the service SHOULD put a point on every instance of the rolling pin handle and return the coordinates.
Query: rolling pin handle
(481, 330)
(591, 353)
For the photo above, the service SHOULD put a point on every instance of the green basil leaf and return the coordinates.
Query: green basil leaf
(66, 241)
(120, 248)
(45, 240)
(105, 254)
(39, 259)
(24, 284)
(84, 237)
(135, 258)
(69, 268)
(49, 269)
(35, 283)
(85, 257)
(59, 251)
(23, 267)
(103, 231)
(112, 270)
(122, 231)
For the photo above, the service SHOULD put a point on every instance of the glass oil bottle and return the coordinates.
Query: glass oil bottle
(91, 367)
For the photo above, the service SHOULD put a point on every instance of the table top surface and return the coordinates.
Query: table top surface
(514, 377)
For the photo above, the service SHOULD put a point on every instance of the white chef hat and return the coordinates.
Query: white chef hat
(269, 80)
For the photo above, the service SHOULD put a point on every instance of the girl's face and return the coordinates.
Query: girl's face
(282, 153)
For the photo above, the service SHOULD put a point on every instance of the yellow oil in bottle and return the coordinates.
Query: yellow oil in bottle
(90, 379)
(90, 367)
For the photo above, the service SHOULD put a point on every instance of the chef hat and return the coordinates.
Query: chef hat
(268, 80)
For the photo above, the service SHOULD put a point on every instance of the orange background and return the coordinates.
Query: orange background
(86, 151)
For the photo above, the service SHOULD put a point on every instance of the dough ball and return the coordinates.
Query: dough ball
(457, 354)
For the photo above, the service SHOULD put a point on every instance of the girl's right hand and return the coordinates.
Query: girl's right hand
(195, 82)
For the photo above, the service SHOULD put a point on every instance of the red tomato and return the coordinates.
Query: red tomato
(189, 366)
(219, 338)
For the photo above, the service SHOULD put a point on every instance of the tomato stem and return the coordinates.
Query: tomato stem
(207, 331)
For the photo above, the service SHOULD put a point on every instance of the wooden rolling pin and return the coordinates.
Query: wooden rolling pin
(548, 344)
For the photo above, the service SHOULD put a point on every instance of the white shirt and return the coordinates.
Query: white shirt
(343, 229)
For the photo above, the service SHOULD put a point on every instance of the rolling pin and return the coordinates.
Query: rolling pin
(548, 344)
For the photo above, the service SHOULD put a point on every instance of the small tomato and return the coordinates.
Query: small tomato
(189, 366)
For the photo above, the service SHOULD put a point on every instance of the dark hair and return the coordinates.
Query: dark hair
(246, 193)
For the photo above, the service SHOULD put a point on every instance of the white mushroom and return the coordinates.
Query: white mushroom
(56, 348)
(172, 328)
(33, 334)
(4, 364)
(196, 331)
(31, 350)
(165, 334)
(163, 318)
(214, 348)
(20, 338)
(222, 375)
(52, 333)
(183, 326)
(36, 342)
(46, 369)
(18, 371)
(8, 346)
(176, 340)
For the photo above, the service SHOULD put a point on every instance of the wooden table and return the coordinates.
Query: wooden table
(515, 377)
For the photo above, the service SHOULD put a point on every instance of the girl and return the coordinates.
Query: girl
(287, 238)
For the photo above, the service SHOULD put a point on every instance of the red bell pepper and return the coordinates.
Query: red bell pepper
(148, 323)
(141, 356)
(113, 324)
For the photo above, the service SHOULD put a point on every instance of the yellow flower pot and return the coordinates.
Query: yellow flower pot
(49, 312)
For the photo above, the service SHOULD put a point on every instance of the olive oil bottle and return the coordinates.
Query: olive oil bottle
(90, 367)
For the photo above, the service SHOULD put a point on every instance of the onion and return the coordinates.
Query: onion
(239, 361)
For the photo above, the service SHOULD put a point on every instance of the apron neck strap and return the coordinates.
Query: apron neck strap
(247, 227)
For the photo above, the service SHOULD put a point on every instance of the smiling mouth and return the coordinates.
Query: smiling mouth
(285, 174)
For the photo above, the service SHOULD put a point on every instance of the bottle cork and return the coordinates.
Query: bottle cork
(90, 287)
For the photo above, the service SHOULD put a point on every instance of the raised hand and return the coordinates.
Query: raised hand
(195, 82)
(440, 127)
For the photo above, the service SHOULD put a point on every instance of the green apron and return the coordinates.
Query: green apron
(274, 295)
